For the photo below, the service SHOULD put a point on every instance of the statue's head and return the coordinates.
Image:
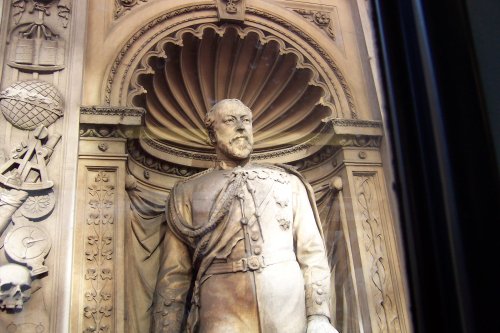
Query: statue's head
(229, 124)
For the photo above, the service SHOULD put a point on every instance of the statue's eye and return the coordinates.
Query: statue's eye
(246, 121)
(229, 121)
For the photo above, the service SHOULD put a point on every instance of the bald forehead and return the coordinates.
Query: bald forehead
(233, 108)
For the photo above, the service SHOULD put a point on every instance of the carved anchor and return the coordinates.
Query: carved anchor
(21, 172)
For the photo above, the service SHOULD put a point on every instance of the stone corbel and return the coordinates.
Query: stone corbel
(104, 130)
(231, 10)
(359, 141)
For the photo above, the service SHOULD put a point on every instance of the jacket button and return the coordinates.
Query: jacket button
(255, 236)
(257, 250)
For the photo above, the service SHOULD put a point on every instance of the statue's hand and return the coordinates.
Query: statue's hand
(319, 324)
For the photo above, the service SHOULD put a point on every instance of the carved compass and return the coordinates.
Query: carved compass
(28, 245)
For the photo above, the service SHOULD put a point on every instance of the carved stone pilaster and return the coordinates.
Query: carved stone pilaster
(370, 230)
(99, 258)
(371, 223)
(99, 250)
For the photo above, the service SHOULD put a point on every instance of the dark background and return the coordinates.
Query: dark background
(440, 60)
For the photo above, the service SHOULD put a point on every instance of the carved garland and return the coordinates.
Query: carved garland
(101, 131)
(374, 245)
(99, 250)
(325, 130)
(315, 159)
(151, 162)
(112, 111)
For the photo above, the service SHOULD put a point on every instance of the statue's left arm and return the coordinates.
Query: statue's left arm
(311, 255)
(174, 276)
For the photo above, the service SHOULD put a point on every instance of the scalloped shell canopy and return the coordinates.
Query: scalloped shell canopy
(184, 75)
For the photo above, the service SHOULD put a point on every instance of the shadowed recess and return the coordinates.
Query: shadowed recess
(184, 75)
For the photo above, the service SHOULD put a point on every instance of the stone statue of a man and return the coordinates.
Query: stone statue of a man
(244, 250)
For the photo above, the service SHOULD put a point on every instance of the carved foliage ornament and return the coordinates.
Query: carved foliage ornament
(321, 18)
(44, 6)
(150, 162)
(99, 251)
(374, 245)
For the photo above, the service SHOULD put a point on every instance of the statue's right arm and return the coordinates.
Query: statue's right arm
(172, 287)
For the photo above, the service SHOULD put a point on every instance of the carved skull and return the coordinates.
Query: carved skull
(15, 286)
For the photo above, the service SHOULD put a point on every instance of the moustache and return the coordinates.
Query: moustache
(239, 137)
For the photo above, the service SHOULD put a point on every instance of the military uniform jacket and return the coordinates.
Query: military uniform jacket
(243, 253)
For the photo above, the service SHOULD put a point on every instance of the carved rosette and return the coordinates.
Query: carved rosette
(381, 284)
(99, 251)
(322, 19)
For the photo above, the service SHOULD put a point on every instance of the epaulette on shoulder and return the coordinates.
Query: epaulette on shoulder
(284, 168)
(278, 167)
(288, 168)
(196, 175)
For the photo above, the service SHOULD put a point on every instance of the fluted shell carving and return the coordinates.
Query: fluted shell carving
(185, 74)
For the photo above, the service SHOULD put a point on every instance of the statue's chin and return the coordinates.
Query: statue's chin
(238, 152)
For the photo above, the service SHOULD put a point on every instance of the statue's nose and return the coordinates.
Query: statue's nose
(240, 126)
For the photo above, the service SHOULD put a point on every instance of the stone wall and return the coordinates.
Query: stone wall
(102, 112)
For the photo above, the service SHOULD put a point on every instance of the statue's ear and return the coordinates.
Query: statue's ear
(212, 136)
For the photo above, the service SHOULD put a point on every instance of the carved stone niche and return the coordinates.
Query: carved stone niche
(274, 79)
(304, 115)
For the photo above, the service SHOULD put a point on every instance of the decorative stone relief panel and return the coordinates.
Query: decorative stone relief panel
(37, 42)
(124, 6)
(374, 244)
(98, 315)
(325, 17)
(231, 9)
(26, 198)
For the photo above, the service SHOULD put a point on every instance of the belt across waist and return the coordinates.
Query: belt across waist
(251, 263)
